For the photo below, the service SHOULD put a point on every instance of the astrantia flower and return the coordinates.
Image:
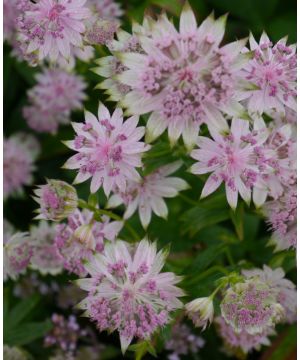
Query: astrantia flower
(10, 12)
(76, 245)
(276, 161)
(181, 75)
(282, 217)
(18, 159)
(284, 288)
(201, 311)
(274, 71)
(183, 342)
(127, 292)
(56, 94)
(108, 149)
(105, 9)
(65, 333)
(230, 157)
(14, 353)
(147, 195)
(17, 253)
(101, 32)
(46, 258)
(57, 200)
(251, 306)
(51, 28)
(237, 342)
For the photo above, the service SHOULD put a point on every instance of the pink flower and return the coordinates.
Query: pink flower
(147, 195)
(105, 9)
(251, 306)
(57, 200)
(10, 12)
(52, 100)
(75, 250)
(273, 71)
(230, 157)
(108, 149)
(284, 289)
(51, 28)
(282, 218)
(127, 292)
(17, 253)
(18, 162)
(46, 258)
(180, 76)
(276, 160)
(237, 342)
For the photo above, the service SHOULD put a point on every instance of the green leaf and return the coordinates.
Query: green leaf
(141, 349)
(173, 7)
(237, 218)
(27, 333)
(22, 310)
(204, 259)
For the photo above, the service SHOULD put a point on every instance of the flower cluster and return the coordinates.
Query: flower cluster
(65, 333)
(183, 342)
(19, 151)
(82, 235)
(251, 306)
(127, 292)
(147, 194)
(46, 258)
(52, 99)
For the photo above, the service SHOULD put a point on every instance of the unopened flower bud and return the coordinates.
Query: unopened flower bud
(57, 200)
(84, 234)
(201, 311)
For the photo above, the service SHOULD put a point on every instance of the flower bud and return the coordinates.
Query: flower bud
(57, 200)
(201, 311)
(84, 234)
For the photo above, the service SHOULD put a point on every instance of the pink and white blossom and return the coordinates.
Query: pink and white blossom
(109, 150)
(237, 342)
(282, 217)
(75, 249)
(147, 194)
(284, 288)
(105, 9)
(10, 12)
(201, 311)
(181, 75)
(51, 28)
(56, 94)
(127, 291)
(230, 157)
(273, 71)
(46, 258)
(19, 153)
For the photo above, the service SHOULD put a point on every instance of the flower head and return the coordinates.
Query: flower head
(201, 311)
(237, 342)
(147, 195)
(10, 11)
(181, 75)
(19, 153)
(183, 342)
(56, 94)
(57, 200)
(273, 71)
(46, 258)
(251, 306)
(17, 252)
(127, 292)
(230, 158)
(105, 9)
(51, 28)
(82, 235)
(65, 333)
(108, 149)
(282, 217)
(284, 288)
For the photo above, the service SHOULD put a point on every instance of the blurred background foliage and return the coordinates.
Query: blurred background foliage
(207, 228)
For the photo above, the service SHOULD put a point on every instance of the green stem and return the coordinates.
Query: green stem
(209, 271)
(188, 200)
(229, 256)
